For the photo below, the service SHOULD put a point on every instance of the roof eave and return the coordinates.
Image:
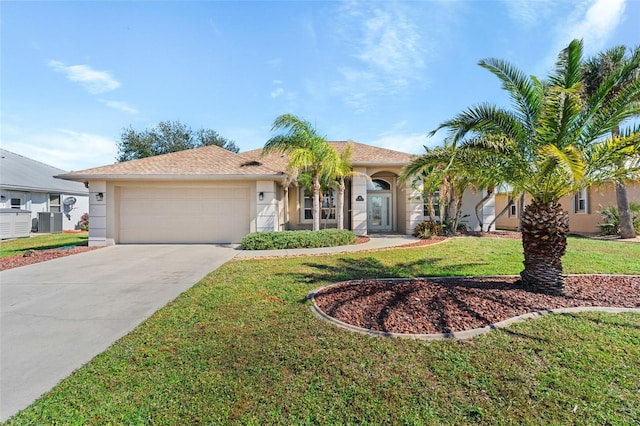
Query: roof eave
(374, 164)
(151, 177)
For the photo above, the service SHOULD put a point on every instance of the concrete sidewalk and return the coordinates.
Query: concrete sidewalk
(377, 241)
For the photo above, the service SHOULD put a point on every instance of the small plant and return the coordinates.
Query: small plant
(611, 219)
(83, 223)
(428, 229)
(298, 239)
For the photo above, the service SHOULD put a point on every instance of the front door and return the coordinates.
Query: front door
(379, 212)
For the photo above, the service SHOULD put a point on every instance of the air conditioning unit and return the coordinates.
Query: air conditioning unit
(49, 223)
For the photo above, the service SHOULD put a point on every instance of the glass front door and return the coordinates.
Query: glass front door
(379, 212)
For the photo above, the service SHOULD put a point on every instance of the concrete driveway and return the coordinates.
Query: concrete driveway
(58, 315)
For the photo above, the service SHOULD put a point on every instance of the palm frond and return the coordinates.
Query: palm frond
(525, 92)
(568, 70)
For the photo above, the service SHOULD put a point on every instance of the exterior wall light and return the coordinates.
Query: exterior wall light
(261, 196)
(100, 196)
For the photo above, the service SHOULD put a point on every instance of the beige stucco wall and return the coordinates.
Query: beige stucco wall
(597, 198)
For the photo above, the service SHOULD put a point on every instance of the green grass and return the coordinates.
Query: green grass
(242, 347)
(42, 242)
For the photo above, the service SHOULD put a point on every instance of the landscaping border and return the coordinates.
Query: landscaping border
(457, 335)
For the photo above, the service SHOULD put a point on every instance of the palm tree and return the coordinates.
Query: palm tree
(451, 170)
(342, 171)
(309, 152)
(596, 70)
(550, 144)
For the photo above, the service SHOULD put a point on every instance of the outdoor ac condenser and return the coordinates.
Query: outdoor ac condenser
(49, 223)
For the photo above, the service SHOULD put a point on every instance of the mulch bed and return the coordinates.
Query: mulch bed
(445, 305)
(35, 256)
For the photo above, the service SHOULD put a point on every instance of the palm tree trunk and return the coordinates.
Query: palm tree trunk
(624, 212)
(430, 208)
(340, 204)
(316, 203)
(544, 241)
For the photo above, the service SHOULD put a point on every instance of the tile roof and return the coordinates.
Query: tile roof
(20, 173)
(213, 161)
(209, 161)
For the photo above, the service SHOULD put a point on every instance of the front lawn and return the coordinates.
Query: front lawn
(242, 347)
(43, 242)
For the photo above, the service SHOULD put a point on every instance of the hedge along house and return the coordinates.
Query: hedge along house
(27, 184)
(211, 195)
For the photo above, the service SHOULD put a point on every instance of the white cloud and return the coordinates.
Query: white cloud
(593, 21)
(528, 13)
(277, 92)
(595, 25)
(93, 81)
(64, 149)
(122, 106)
(387, 43)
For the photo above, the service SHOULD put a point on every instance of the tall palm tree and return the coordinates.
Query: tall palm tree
(342, 171)
(550, 144)
(596, 70)
(309, 152)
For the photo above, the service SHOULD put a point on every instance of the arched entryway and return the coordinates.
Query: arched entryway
(380, 204)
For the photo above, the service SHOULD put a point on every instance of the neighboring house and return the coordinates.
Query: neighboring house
(211, 195)
(30, 185)
(583, 207)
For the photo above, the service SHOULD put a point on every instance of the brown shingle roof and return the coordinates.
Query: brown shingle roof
(363, 155)
(210, 161)
(215, 162)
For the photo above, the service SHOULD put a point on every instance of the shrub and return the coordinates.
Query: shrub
(428, 229)
(298, 239)
(83, 223)
(611, 218)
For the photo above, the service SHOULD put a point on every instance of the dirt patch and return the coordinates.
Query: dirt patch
(445, 305)
(36, 256)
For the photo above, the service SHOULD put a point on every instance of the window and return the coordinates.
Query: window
(16, 203)
(378, 185)
(513, 208)
(54, 203)
(580, 202)
(328, 206)
(436, 204)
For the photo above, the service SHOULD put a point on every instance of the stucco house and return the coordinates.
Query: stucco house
(583, 207)
(28, 184)
(211, 195)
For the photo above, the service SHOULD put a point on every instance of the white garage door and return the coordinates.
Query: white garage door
(184, 215)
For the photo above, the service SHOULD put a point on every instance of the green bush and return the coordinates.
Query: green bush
(428, 229)
(298, 239)
(611, 219)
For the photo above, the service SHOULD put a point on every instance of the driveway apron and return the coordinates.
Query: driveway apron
(58, 315)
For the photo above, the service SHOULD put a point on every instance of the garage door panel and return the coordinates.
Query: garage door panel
(184, 215)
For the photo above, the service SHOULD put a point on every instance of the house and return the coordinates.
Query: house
(583, 207)
(211, 195)
(27, 184)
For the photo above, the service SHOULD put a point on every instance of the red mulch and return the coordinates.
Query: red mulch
(35, 256)
(445, 305)
(362, 240)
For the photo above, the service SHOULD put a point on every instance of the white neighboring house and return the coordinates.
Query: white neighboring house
(28, 184)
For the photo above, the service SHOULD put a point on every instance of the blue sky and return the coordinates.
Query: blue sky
(75, 74)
